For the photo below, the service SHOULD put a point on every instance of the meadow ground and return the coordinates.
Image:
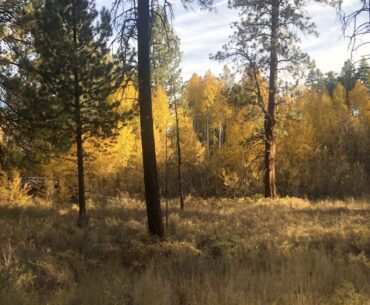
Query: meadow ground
(217, 251)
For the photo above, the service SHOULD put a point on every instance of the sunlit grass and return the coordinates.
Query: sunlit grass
(217, 251)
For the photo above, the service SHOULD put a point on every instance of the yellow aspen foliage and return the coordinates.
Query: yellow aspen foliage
(162, 123)
(161, 110)
(294, 156)
(192, 150)
(209, 93)
(339, 96)
(108, 157)
(194, 91)
(360, 101)
(202, 93)
(114, 154)
(327, 140)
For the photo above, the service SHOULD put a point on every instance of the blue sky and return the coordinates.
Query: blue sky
(204, 32)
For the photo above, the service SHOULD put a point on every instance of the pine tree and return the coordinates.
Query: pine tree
(363, 73)
(315, 78)
(348, 78)
(266, 41)
(330, 81)
(77, 75)
(155, 222)
(135, 21)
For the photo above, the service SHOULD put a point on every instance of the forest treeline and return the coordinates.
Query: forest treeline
(70, 106)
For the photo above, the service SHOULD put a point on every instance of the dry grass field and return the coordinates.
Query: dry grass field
(217, 252)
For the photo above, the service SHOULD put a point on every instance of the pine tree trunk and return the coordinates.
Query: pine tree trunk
(220, 135)
(82, 220)
(153, 205)
(270, 141)
(207, 136)
(82, 215)
(166, 177)
(179, 161)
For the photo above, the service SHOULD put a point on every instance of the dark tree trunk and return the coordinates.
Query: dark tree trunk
(207, 136)
(179, 161)
(270, 141)
(82, 220)
(166, 177)
(82, 215)
(153, 205)
(220, 135)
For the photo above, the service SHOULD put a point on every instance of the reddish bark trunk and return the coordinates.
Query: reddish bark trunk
(270, 141)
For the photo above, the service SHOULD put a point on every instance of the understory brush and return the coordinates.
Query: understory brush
(12, 190)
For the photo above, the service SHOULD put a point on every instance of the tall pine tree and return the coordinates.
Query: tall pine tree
(77, 74)
(266, 41)
(348, 78)
(135, 21)
(363, 73)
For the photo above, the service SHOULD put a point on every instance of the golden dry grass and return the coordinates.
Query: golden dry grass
(217, 251)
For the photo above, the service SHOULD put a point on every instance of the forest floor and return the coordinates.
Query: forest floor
(217, 251)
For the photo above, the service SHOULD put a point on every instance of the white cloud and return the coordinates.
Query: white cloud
(203, 33)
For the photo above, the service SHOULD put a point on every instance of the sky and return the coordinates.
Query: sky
(203, 33)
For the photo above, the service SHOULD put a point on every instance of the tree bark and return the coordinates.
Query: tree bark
(207, 136)
(220, 135)
(179, 161)
(82, 215)
(153, 205)
(270, 141)
(166, 177)
(82, 220)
